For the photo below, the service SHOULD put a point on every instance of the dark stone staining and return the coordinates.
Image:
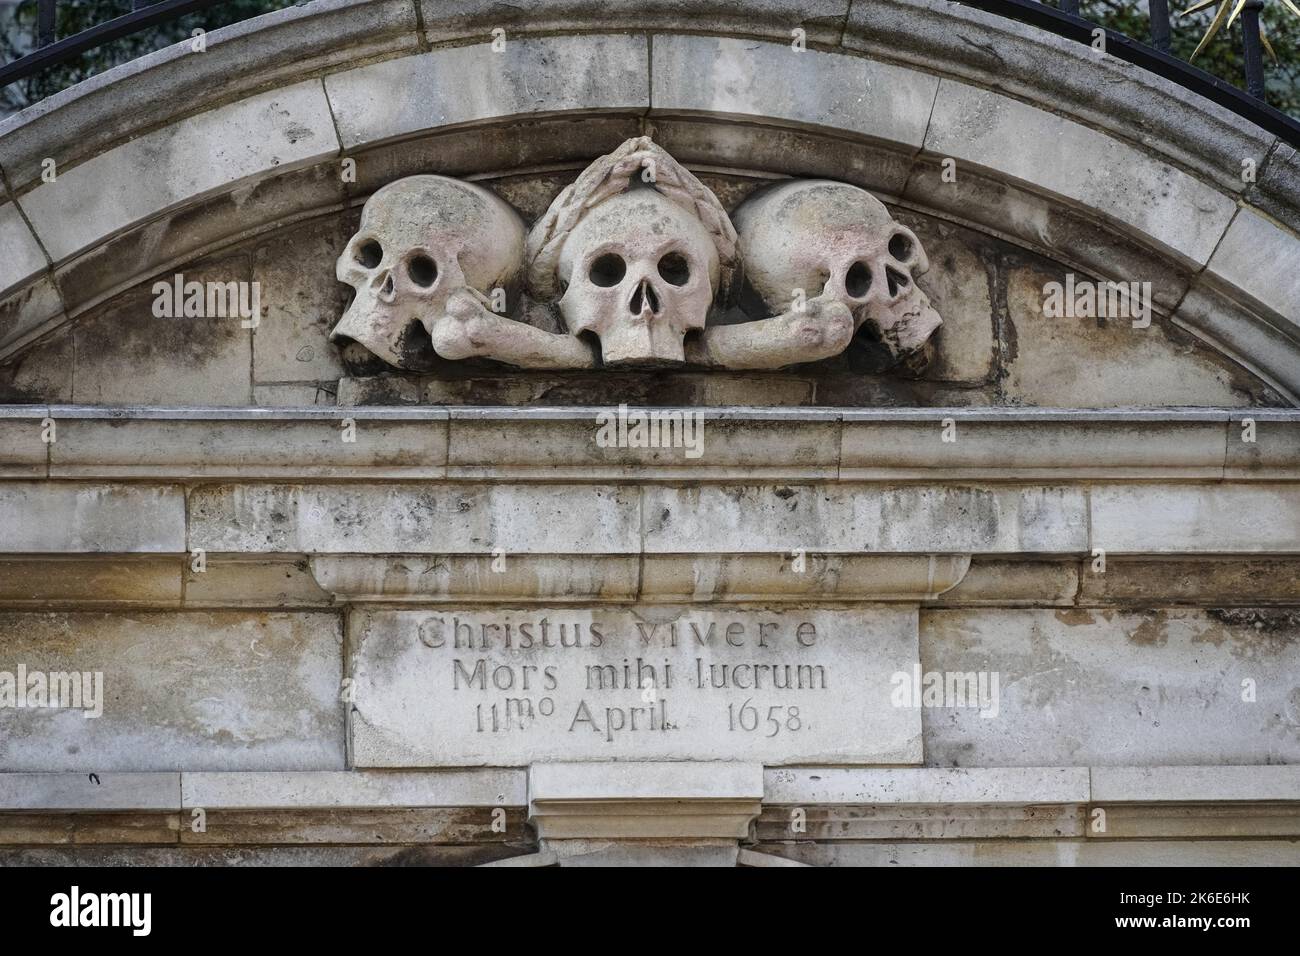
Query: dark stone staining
(1282, 622)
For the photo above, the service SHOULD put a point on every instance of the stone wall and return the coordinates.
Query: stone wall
(269, 545)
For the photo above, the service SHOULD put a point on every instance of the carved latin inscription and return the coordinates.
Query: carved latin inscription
(512, 687)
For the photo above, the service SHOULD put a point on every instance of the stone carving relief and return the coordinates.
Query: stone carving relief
(644, 268)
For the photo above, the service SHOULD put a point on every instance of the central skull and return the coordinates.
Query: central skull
(641, 272)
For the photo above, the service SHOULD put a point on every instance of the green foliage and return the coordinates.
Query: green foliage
(1223, 57)
(18, 36)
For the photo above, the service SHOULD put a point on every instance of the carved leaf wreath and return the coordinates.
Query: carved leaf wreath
(608, 176)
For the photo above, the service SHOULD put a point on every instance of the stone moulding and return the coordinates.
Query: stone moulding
(548, 444)
(585, 807)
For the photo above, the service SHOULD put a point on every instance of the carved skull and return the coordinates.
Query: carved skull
(641, 272)
(422, 240)
(839, 241)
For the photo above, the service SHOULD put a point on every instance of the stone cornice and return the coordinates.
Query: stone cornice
(739, 445)
(939, 805)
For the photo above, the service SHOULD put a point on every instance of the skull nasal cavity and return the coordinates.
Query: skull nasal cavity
(422, 270)
(647, 292)
(370, 254)
(857, 280)
(674, 269)
(895, 279)
(607, 270)
(900, 247)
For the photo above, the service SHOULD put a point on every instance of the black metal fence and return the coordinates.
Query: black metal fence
(1064, 21)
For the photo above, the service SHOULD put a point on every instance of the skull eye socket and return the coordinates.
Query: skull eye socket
(674, 269)
(422, 270)
(896, 280)
(857, 280)
(607, 270)
(900, 246)
(370, 254)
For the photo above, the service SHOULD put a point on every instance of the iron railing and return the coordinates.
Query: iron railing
(1063, 21)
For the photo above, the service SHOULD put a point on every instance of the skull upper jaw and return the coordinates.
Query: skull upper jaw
(642, 340)
(904, 329)
(388, 333)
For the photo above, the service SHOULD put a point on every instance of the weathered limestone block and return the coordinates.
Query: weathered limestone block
(461, 578)
(324, 789)
(822, 19)
(1162, 519)
(1083, 362)
(597, 443)
(101, 791)
(513, 687)
(859, 517)
(429, 518)
(1116, 688)
(1209, 580)
(26, 315)
(995, 582)
(23, 452)
(569, 74)
(45, 517)
(23, 258)
(1118, 853)
(126, 355)
(402, 854)
(1263, 443)
(43, 371)
(203, 444)
(1024, 143)
(290, 342)
(1259, 256)
(735, 78)
(139, 580)
(214, 149)
(1031, 444)
(825, 823)
(1195, 784)
(176, 691)
(977, 786)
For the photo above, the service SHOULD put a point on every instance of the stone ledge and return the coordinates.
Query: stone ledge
(1047, 852)
(541, 444)
(1171, 820)
(285, 581)
(680, 780)
(356, 788)
(984, 786)
(651, 578)
(1195, 784)
(963, 821)
(90, 791)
